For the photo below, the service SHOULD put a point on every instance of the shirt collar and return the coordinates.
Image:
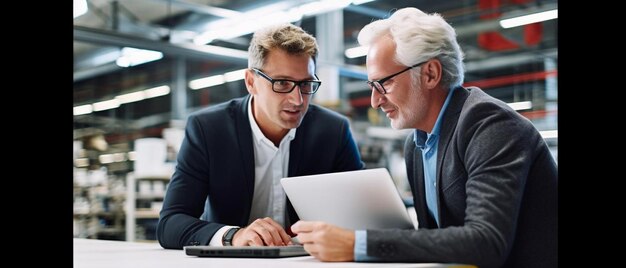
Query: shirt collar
(421, 137)
(256, 131)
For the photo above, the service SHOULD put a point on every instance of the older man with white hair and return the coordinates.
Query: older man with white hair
(483, 180)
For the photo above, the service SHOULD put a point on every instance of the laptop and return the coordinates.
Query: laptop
(246, 251)
(357, 200)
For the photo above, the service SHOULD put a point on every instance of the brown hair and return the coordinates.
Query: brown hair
(287, 37)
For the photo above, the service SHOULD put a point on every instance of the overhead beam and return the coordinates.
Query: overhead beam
(510, 60)
(107, 37)
(95, 71)
(494, 24)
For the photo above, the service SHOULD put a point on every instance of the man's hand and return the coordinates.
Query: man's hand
(324, 241)
(262, 232)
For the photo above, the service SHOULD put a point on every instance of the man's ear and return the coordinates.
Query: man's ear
(431, 73)
(249, 79)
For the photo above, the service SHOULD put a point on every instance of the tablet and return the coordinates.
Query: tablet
(358, 200)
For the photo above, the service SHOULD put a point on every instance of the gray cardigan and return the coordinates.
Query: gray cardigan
(497, 192)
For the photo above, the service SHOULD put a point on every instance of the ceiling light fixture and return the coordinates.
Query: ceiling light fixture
(530, 18)
(358, 2)
(80, 8)
(83, 109)
(216, 80)
(143, 94)
(122, 99)
(105, 158)
(131, 97)
(132, 155)
(106, 105)
(320, 7)
(235, 75)
(157, 91)
(133, 56)
(207, 82)
(232, 28)
(281, 12)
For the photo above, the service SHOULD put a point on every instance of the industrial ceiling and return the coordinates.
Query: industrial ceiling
(508, 63)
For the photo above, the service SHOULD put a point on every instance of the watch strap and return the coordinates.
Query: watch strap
(227, 239)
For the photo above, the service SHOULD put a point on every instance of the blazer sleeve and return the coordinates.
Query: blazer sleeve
(496, 148)
(179, 224)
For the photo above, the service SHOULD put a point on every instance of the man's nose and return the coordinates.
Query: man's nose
(295, 96)
(376, 99)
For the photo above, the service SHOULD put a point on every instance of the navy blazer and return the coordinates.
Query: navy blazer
(216, 165)
(496, 192)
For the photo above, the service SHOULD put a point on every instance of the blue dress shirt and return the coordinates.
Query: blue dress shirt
(427, 142)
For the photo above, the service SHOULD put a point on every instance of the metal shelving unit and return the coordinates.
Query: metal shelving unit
(155, 195)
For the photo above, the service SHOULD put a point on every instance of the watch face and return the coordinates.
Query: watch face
(228, 236)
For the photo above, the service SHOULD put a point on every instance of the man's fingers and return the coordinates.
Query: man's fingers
(264, 234)
(255, 240)
(305, 238)
(285, 238)
(268, 232)
(303, 226)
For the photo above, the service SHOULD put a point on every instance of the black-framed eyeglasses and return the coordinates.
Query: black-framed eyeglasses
(308, 87)
(378, 84)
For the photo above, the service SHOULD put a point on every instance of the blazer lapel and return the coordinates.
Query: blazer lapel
(450, 119)
(424, 219)
(244, 139)
(294, 152)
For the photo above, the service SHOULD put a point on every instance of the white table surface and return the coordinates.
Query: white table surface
(119, 254)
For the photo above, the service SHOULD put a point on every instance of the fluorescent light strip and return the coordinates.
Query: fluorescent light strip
(106, 105)
(549, 134)
(358, 2)
(157, 91)
(106, 57)
(83, 109)
(132, 155)
(528, 19)
(131, 97)
(207, 82)
(238, 27)
(133, 56)
(80, 8)
(235, 75)
(122, 99)
(119, 157)
(356, 52)
(320, 7)
(522, 105)
(255, 19)
(105, 158)
(219, 79)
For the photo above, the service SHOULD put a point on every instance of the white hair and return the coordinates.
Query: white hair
(418, 37)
